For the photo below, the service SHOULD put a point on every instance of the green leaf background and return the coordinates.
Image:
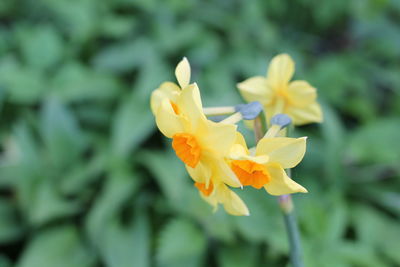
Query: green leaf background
(86, 179)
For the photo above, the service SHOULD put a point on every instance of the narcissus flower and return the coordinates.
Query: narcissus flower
(200, 143)
(215, 192)
(279, 95)
(170, 90)
(265, 166)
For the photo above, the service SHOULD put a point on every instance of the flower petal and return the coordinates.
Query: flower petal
(182, 73)
(255, 89)
(167, 90)
(240, 140)
(233, 204)
(309, 114)
(280, 71)
(201, 173)
(220, 137)
(288, 152)
(226, 175)
(167, 121)
(238, 152)
(275, 108)
(280, 183)
(301, 93)
(190, 106)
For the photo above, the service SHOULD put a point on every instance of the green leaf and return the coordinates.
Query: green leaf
(4, 262)
(376, 142)
(75, 82)
(24, 85)
(327, 226)
(181, 244)
(119, 187)
(57, 247)
(10, 227)
(241, 255)
(133, 122)
(118, 26)
(79, 177)
(47, 204)
(123, 57)
(169, 171)
(124, 246)
(41, 46)
(265, 222)
(80, 18)
(377, 230)
(61, 133)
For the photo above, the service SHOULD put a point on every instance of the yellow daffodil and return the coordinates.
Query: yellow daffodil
(279, 95)
(216, 192)
(264, 167)
(170, 90)
(200, 143)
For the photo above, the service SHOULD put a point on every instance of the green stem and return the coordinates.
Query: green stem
(286, 205)
(292, 229)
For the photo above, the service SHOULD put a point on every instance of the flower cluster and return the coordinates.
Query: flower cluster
(215, 153)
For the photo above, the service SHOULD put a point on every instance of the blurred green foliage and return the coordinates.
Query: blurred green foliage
(86, 180)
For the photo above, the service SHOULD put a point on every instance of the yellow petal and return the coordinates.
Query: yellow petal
(232, 203)
(238, 151)
(167, 121)
(309, 114)
(255, 89)
(225, 174)
(301, 93)
(167, 90)
(190, 106)
(240, 140)
(280, 71)
(280, 183)
(201, 173)
(277, 107)
(220, 137)
(182, 73)
(288, 152)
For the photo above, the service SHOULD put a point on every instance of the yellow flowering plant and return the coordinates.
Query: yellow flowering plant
(216, 155)
(264, 166)
(278, 94)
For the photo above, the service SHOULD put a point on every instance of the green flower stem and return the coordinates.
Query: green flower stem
(258, 129)
(285, 203)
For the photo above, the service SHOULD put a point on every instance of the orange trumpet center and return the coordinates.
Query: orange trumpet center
(202, 188)
(251, 173)
(186, 148)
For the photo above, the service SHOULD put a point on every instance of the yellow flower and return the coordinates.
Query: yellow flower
(278, 95)
(200, 143)
(170, 90)
(216, 192)
(265, 166)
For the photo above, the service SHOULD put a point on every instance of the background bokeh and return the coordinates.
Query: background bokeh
(86, 180)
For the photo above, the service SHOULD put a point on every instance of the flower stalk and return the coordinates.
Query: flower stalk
(287, 207)
(285, 201)
(233, 119)
(218, 111)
